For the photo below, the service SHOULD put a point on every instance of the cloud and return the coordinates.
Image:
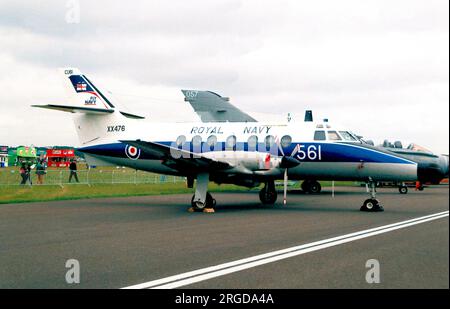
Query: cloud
(379, 67)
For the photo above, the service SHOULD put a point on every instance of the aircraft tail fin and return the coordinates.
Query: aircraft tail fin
(84, 96)
(212, 107)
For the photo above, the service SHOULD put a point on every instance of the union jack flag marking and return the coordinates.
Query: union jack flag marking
(81, 87)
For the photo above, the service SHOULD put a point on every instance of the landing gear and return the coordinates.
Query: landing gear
(207, 206)
(372, 204)
(403, 189)
(268, 194)
(311, 186)
(202, 199)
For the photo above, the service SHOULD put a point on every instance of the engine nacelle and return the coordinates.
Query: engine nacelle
(253, 161)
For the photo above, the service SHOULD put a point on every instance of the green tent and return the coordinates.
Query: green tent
(26, 154)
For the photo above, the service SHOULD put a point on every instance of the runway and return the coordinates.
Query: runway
(123, 242)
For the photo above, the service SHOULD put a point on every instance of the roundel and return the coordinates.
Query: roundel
(132, 152)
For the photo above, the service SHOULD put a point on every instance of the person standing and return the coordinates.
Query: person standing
(73, 171)
(23, 174)
(28, 173)
(40, 171)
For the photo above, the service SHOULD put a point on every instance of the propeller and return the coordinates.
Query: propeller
(286, 163)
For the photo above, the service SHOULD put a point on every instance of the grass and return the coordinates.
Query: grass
(36, 193)
(127, 182)
(23, 194)
(101, 175)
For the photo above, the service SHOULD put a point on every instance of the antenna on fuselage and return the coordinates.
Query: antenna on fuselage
(289, 117)
(308, 116)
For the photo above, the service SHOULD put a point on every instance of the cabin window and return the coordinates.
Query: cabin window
(197, 141)
(269, 141)
(231, 142)
(180, 140)
(347, 136)
(286, 141)
(333, 136)
(252, 142)
(211, 141)
(319, 136)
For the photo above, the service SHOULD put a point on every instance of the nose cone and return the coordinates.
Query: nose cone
(289, 162)
(430, 172)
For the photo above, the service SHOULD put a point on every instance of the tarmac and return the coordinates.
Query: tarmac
(123, 242)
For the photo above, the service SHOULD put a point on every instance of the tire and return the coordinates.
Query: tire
(306, 186)
(268, 197)
(371, 205)
(403, 189)
(209, 203)
(315, 187)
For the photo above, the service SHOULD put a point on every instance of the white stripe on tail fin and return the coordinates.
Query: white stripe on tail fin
(84, 96)
(94, 112)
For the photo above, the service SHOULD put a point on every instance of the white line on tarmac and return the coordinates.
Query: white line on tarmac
(261, 259)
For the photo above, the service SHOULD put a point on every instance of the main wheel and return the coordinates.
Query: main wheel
(315, 187)
(306, 186)
(371, 205)
(268, 196)
(403, 189)
(199, 206)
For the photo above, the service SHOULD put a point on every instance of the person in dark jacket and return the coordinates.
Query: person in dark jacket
(40, 171)
(28, 174)
(73, 171)
(23, 173)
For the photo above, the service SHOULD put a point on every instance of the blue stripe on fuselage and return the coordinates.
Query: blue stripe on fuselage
(330, 152)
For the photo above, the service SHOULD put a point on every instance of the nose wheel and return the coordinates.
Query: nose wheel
(372, 204)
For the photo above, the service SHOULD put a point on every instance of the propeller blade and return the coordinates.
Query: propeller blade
(294, 152)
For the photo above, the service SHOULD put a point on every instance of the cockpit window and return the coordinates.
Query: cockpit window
(347, 136)
(319, 136)
(333, 136)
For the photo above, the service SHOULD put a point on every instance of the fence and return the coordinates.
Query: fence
(92, 176)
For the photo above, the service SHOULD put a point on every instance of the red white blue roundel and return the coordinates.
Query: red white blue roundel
(132, 152)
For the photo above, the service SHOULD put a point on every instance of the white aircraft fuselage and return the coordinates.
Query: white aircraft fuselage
(235, 144)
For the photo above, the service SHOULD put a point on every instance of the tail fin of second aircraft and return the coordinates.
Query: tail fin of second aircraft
(212, 107)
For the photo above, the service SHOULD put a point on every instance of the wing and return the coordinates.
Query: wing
(181, 160)
(211, 107)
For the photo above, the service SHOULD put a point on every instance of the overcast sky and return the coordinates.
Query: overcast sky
(381, 68)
